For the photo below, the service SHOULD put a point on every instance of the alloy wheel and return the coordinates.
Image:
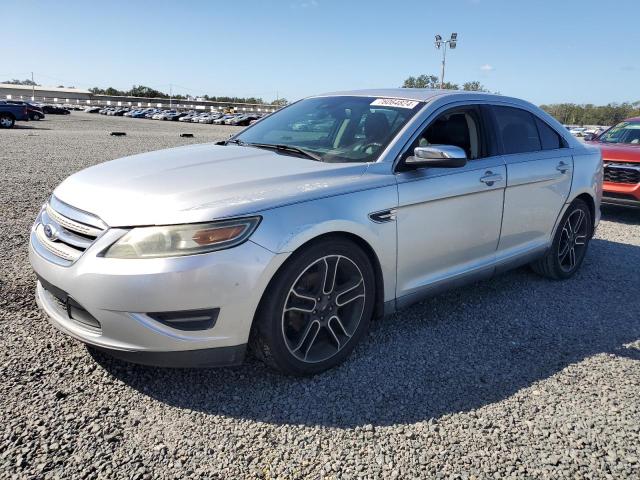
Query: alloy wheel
(323, 308)
(573, 240)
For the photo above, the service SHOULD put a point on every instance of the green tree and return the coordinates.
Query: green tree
(589, 114)
(27, 81)
(427, 81)
(421, 81)
(474, 86)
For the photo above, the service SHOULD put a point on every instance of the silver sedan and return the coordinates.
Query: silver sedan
(290, 236)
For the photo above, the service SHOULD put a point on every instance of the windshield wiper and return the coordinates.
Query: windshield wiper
(235, 141)
(285, 148)
(270, 146)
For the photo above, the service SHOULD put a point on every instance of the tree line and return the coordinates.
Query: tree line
(566, 113)
(588, 114)
(143, 91)
(432, 81)
(26, 81)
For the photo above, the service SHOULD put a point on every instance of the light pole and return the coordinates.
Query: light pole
(452, 42)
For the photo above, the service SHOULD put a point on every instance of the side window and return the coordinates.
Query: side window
(548, 137)
(460, 127)
(518, 130)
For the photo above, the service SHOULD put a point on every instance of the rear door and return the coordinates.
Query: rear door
(539, 173)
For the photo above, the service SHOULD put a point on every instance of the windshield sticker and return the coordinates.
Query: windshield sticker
(394, 102)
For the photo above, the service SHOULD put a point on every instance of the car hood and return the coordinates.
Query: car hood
(203, 182)
(619, 153)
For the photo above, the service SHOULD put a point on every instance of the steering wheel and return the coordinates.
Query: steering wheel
(373, 145)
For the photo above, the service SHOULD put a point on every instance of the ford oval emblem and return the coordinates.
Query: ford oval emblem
(50, 232)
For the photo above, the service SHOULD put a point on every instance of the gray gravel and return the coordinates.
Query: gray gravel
(515, 377)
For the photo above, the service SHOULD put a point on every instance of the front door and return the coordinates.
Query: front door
(449, 219)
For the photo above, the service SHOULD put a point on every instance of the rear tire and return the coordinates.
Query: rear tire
(570, 244)
(316, 308)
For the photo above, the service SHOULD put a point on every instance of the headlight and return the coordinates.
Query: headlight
(179, 240)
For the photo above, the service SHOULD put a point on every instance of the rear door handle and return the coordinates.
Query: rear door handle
(489, 178)
(562, 167)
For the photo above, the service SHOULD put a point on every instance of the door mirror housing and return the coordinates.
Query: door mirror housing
(439, 156)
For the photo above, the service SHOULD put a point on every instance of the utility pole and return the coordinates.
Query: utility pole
(452, 42)
(170, 96)
(33, 89)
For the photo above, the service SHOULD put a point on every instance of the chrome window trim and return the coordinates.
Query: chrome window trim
(429, 117)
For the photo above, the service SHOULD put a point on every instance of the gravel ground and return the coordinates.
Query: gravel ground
(515, 377)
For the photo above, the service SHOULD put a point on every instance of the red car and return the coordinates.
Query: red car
(620, 147)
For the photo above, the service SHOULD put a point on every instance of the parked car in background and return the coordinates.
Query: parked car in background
(221, 120)
(291, 241)
(140, 114)
(92, 109)
(620, 146)
(11, 112)
(35, 111)
(174, 117)
(198, 117)
(243, 120)
(187, 117)
(55, 110)
(210, 117)
(577, 131)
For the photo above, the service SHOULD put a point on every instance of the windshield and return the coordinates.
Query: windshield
(335, 129)
(624, 132)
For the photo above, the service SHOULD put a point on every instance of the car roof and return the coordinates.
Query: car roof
(419, 94)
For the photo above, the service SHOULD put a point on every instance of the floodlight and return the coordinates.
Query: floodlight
(438, 41)
(453, 40)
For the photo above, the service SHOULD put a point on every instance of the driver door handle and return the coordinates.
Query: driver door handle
(562, 167)
(489, 178)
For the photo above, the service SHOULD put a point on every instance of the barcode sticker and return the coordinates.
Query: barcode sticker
(394, 102)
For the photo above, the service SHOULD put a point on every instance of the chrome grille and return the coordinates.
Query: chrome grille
(622, 172)
(62, 233)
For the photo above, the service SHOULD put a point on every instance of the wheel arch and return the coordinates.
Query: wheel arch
(589, 200)
(363, 244)
(585, 197)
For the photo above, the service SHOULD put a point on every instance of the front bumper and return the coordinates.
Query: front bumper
(621, 193)
(119, 294)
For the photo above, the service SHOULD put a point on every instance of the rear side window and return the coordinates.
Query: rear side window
(548, 137)
(518, 130)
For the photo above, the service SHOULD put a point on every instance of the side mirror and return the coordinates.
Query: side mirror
(439, 156)
(589, 137)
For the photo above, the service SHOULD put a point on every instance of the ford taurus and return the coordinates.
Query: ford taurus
(289, 237)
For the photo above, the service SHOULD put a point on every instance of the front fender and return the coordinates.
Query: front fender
(286, 229)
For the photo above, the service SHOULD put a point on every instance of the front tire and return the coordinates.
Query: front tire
(316, 308)
(570, 243)
(6, 121)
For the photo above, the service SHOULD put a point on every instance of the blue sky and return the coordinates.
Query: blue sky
(545, 51)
